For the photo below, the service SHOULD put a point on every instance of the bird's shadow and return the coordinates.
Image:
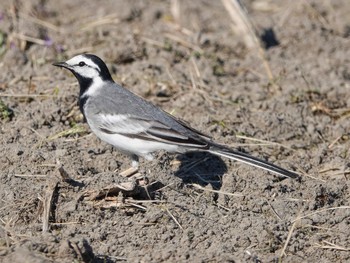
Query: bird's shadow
(201, 168)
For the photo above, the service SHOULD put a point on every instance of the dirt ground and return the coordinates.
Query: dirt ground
(59, 198)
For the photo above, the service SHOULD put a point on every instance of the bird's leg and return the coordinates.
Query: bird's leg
(133, 173)
(128, 184)
(135, 161)
(143, 174)
(149, 157)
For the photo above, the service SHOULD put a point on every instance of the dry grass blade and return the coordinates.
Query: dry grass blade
(264, 142)
(77, 251)
(242, 25)
(7, 241)
(331, 145)
(175, 10)
(320, 211)
(174, 218)
(216, 191)
(34, 40)
(265, 6)
(295, 200)
(329, 245)
(153, 42)
(74, 130)
(137, 205)
(287, 240)
(320, 17)
(318, 227)
(66, 223)
(184, 43)
(201, 92)
(335, 172)
(273, 210)
(27, 95)
(144, 201)
(251, 144)
(304, 173)
(196, 69)
(31, 175)
(106, 20)
(334, 113)
(41, 22)
(244, 28)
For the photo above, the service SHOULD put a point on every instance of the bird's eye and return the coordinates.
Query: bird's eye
(82, 64)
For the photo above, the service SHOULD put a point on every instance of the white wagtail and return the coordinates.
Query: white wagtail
(137, 127)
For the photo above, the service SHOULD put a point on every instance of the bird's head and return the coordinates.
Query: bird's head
(86, 67)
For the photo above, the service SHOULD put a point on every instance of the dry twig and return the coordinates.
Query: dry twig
(31, 175)
(47, 204)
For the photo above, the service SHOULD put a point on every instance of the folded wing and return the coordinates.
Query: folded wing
(151, 130)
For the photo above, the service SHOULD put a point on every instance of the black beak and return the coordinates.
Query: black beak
(61, 64)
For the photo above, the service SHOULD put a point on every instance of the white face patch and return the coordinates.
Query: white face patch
(83, 66)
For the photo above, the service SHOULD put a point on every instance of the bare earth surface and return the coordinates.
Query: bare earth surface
(184, 208)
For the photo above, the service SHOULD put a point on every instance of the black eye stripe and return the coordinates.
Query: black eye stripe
(83, 64)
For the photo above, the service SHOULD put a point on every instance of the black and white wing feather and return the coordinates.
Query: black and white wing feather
(155, 131)
(151, 130)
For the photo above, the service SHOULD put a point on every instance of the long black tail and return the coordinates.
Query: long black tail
(251, 160)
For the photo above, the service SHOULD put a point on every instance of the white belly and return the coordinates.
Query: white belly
(133, 145)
